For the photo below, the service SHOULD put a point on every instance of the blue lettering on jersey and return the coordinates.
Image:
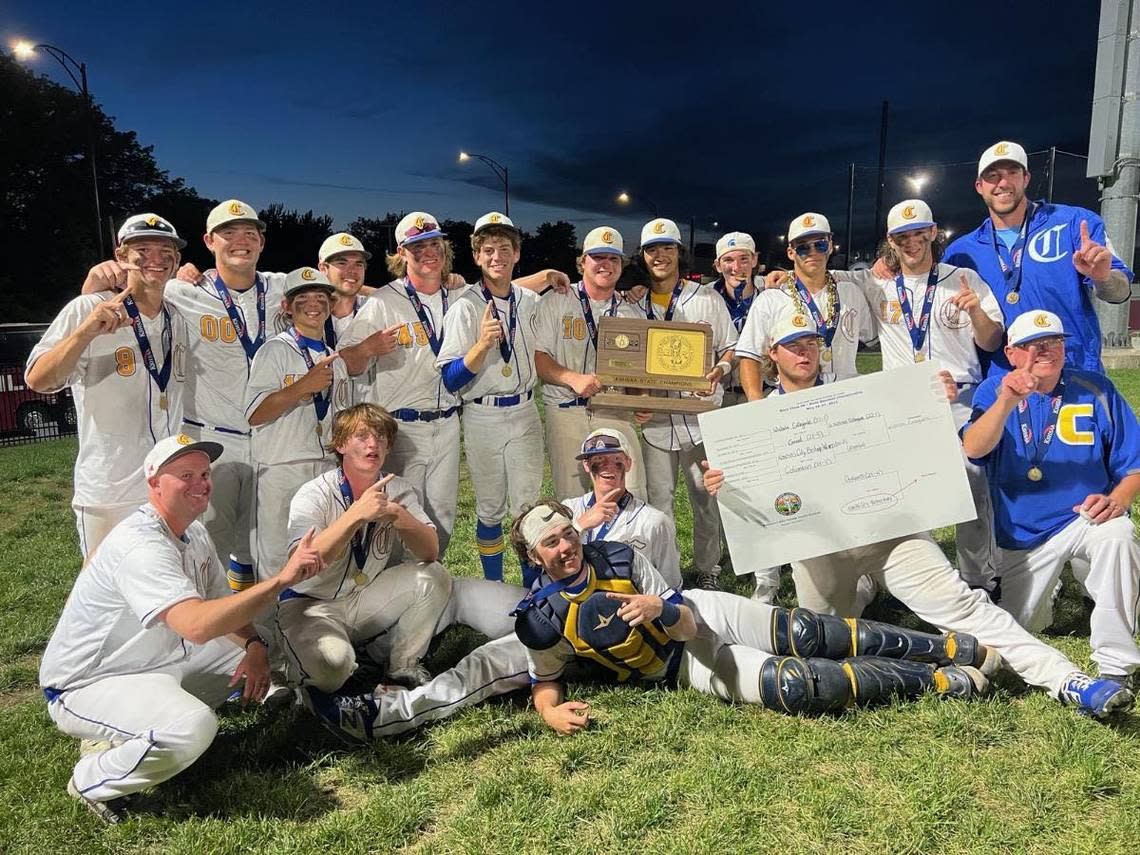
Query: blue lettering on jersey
(1097, 444)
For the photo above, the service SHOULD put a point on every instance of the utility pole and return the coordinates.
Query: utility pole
(882, 177)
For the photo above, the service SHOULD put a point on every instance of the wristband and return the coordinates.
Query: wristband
(725, 368)
(257, 638)
(670, 614)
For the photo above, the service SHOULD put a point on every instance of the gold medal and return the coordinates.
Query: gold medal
(507, 371)
(920, 357)
(360, 579)
(826, 354)
(162, 402)
(1034, 474)
(1012, 297)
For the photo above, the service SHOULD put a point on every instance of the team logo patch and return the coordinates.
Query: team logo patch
(308, 274)
(799, 321)
(152, 220)
(183, 439)
(732, 242)
(952, 318)
(659, 228)
(788, 504)
(419, 222)
(346, 240)
(494, 218)
(607, 236)
(1042, 320)
(808, 221)
(236, 209)
(908, 212)
(1001, 149)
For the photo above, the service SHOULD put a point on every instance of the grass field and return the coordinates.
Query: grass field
(660, 771)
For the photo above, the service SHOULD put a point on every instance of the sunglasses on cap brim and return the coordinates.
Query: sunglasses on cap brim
(416, 231)
(803, 250)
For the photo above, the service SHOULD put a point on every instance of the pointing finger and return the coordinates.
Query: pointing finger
(964, 282)
(613, 494)
(307, 540)
(392, 330)
(1086, 239)
(614, 595)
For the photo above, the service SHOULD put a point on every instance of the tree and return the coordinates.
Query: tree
(47, 217)
(552, 245)
(292, 238)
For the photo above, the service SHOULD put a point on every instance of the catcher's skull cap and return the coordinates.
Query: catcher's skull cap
(417, 226)
(1034, 324)
(660, 231)
(340, 243)
(494, 218)
(735, 240)
(1004, 150)
(173, 447)
(232, 211)
(604, 240)
(791, 327)
(806, 225)
(148, 225)
(602, 441)
(909, 214)
(306, 279)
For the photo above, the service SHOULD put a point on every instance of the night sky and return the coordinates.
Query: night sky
(742, 114)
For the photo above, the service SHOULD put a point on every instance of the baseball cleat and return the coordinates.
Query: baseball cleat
(347, 717)
(960, 681)
(707, 581)
(410, 676)
(1095, 698)
(112, 812)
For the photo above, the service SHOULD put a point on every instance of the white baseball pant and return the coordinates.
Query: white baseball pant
(505, 457)
(427, 455)
(566, 427)
(404, 601)
(915, 571)
(974, 540)
(158, 722)
(1108, 565)
(94, 524)
(661, 481)
(276, 484)
(230, 517)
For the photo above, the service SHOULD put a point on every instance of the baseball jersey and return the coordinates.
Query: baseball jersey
(117, 404)
(549, 664)
(1048, 279)
(406, 377)
(855, 324)
(1096, 443)
(564, 335)
(109, 626)
(695, 304)
(641, 526)
(217, 367)
(949, 341)
(738, 311)
(335, 327)
(461, 331)
(296, 434)
(318, 504)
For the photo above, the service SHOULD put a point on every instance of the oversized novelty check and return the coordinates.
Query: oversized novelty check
(838, 466)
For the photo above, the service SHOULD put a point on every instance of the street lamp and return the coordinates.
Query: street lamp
(25, 51)
(918, 181)
(623, 198)
(499, 170)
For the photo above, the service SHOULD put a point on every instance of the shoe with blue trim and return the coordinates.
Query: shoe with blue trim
(1095, 698)
(347, 717)
(112, 812)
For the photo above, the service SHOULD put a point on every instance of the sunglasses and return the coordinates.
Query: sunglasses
(821, 246)
(1052, 342)
(416, 231)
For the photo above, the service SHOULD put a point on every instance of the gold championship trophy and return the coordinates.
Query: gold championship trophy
(638, 356)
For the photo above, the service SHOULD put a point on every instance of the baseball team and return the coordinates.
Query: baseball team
(268, 477)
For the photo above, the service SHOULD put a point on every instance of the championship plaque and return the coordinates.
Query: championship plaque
(637, 357)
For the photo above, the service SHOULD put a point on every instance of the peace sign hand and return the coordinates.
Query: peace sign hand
(106, 317)
(1092, 259)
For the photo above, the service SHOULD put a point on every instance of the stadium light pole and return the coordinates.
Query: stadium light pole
(25, 51)
(918, 181)
(499, 170)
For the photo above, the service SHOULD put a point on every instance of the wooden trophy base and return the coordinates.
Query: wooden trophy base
(649, 403)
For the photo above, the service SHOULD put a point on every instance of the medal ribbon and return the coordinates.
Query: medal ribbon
(249, 346)
(672, 302)
(1013, 269)
(506, 345)
(605, 527)
(160, 377)
(361, 540)
(1038, 450)
(737, 306)
(588, 313)
(917, 331)
(330, 329)
(425, 319)
(827, 331)
(321, 401)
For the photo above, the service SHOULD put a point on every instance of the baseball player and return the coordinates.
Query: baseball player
(735, 262)
(566, 355)
(927, 310)
(344, 260)
(611, 512)
(488, 357)
(396, 336)
(838, 309)
(124, 358)
(1039, 255)
(672, 441)
(151, 639)
(914, 570)
(1062, 450)
(295, 386)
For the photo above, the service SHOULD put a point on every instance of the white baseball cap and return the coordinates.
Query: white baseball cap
(173, 447)
(494, 218)
(1033, 325)
(660, 231)
(806, 225)
(790, 327)
(307, 279)
(604, 240)
(909, 214)
(735, 240)
(232, 211)
(603, 441)
(340, 243)
(1004, 150)
(148, 225)
(417, 226)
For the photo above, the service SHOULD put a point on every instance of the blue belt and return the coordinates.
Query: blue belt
(577, 402)
(406, 414)
(509, 401)
(290, 594)
(51, 694)
(234, 431)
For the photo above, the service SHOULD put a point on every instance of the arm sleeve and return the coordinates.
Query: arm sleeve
(456, 375)
(151, 580)
(460, 329)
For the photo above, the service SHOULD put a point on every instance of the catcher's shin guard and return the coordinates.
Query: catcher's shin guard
(793, 685)
(800, 632)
